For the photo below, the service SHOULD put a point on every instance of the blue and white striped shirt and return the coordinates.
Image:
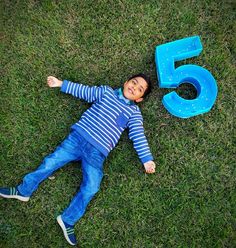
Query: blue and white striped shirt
(103, 123)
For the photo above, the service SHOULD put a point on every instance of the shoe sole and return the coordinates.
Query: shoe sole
(61, 224)
(18, 197)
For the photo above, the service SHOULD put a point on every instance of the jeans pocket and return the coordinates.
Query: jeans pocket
(95, 157)
(72, 141)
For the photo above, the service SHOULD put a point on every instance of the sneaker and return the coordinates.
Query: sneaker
(68, 231)
(13, 192)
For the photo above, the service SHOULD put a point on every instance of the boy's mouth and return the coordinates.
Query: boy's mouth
(130, 91)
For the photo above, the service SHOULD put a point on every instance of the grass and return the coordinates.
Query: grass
(190, 201)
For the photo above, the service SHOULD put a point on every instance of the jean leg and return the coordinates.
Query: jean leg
(92, 177)
(66, 152)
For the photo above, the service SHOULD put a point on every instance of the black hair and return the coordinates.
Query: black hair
(148, 81)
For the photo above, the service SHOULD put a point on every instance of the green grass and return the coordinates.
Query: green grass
(190, 201)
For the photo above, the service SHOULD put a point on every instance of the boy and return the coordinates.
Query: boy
(90, 140)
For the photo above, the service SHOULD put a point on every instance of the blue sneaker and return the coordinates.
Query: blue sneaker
(13, 192)
(68, 231)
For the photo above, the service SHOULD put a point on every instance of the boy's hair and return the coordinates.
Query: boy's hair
(148, 81)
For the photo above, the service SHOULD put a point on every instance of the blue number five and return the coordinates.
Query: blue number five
(170, 77)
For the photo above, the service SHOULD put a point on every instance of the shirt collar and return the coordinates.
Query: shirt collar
(119, 94)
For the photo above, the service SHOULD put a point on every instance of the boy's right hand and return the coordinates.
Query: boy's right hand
(54, 82)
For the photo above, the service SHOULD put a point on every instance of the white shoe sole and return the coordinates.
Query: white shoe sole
(60, 222)
(21, 198)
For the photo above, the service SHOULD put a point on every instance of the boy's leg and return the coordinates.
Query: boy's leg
(92, 168)
(67, 151)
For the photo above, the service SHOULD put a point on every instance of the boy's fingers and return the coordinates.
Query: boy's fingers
(50, 79)
(150, 167)
(150, 171)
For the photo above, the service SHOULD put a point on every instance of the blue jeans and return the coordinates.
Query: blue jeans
(73, 148)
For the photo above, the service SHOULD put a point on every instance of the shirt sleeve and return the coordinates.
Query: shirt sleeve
(136, 134)
(85, 92)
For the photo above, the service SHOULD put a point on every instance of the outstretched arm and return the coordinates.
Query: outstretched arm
(87, 93)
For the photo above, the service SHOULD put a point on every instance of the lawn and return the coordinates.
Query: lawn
(190, 200)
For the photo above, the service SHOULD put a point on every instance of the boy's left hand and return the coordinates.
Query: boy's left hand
(149, 167)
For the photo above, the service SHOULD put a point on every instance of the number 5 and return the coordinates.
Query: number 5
(170, 77)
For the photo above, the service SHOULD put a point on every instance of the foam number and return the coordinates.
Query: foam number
(171, 77)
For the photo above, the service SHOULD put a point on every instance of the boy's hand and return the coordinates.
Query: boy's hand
(54, 82)
(149, 167)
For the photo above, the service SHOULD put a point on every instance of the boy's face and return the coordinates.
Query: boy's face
(134, 89)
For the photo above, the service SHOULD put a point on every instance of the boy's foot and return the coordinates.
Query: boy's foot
(13, 192)
(68, 231)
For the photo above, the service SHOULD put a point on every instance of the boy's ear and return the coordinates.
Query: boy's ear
(139, 100)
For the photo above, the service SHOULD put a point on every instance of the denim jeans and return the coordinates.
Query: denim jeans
(73, 148)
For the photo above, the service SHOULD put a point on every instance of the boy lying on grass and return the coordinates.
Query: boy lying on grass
(90, 140)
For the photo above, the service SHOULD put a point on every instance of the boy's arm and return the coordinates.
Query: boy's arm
(136, 134)
(87, 93)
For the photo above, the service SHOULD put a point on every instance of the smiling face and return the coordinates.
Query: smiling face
(135, 88)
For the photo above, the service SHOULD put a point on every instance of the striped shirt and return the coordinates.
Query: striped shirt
(103, 123)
